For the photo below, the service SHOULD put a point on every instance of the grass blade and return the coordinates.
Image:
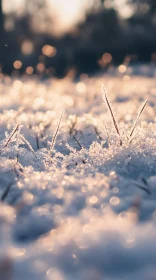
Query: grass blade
(4, 195)
(105, 98)
(28, 144)
(137, 120)
(56, 133)
(11, 135)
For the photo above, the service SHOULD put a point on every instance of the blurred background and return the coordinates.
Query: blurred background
(71, 37)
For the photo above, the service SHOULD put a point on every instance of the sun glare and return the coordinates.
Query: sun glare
(125, 10)
(14, 5)
(68, 12)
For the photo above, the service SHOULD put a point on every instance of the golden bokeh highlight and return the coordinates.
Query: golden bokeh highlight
(122, 68)
(106, 58)
(17, 64)
(49, 50)
(29, 70)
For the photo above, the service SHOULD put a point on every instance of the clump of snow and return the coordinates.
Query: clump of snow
(87, 209)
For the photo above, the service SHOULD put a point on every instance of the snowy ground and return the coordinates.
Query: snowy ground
(86, 210)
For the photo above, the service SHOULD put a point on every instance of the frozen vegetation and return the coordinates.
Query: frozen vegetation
(79, 204)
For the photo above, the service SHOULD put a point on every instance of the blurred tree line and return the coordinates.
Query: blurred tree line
(24, 40)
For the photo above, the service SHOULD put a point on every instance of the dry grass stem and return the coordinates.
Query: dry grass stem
(56, 133)
(137, 120)
(11, 135)
(28, 144)
(105, 98)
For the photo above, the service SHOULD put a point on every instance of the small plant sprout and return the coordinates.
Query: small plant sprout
(136, 122)
(55, 134)
(105, 98)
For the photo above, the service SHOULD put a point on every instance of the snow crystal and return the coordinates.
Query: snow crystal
(85, 209)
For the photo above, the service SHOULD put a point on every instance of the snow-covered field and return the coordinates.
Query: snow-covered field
(81, 206)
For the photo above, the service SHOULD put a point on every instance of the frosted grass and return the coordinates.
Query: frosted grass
(89, 212)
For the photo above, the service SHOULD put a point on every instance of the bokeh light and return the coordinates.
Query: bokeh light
(17, 64)
(29, 70)
(49, 51)
(27, 47)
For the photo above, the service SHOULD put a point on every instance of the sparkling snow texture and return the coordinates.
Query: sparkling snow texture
(86, 210)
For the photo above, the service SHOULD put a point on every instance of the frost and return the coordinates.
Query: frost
(80, 206)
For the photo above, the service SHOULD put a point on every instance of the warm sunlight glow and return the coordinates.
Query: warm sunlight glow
(68, 12)
(124, 10)
(14, 5)
(65, 12)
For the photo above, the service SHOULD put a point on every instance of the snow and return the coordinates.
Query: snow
(87, 209)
